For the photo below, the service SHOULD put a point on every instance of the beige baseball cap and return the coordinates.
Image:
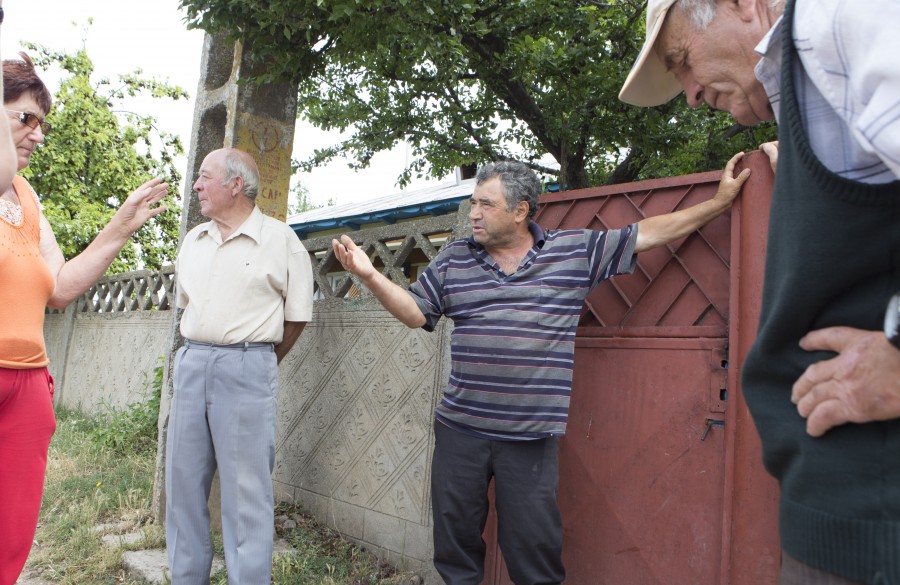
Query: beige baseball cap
(649, 84)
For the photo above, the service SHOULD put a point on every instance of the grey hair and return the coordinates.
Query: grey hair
(700, 13)
(237, 163)
(519, 183)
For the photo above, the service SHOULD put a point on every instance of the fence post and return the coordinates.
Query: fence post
(750, 548)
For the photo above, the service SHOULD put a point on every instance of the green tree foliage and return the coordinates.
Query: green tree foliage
(96, 155)
(299, 199)
(470, 81)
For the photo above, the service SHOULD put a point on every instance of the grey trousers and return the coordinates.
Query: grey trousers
(223, 415)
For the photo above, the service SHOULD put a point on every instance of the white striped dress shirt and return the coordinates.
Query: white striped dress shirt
(848, 85)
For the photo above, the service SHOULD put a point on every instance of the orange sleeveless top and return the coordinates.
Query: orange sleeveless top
(25, 286)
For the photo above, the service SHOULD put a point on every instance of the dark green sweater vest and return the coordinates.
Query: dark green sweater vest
(833, 258)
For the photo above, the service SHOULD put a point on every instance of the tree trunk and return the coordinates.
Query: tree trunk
(629, 169)
(572, 173)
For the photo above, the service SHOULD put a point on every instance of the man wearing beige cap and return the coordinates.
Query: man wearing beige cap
(823, 377)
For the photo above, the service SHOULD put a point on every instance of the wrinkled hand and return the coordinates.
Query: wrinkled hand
(139, 206)
(861, 384)
(729, 185)
(771, 150)
(352, 258)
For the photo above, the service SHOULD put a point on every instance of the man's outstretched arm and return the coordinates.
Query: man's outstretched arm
(397, 301)
(662, 229)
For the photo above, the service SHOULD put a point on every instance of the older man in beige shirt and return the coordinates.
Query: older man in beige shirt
(245, 284)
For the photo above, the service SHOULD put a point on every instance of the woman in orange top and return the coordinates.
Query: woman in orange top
(34, 275)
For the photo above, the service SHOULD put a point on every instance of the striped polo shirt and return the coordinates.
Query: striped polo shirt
(513, 341)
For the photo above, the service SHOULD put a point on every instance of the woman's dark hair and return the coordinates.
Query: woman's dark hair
(20, 78)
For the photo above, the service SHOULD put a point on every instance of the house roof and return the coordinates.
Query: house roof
(436, 200)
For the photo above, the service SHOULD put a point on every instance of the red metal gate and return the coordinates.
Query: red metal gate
(660, 475)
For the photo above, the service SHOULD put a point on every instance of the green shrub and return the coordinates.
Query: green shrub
(133, 430)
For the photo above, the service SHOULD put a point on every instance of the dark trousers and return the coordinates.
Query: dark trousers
(526, 479)
(793, 572)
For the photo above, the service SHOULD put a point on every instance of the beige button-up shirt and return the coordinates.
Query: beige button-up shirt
(245, 288)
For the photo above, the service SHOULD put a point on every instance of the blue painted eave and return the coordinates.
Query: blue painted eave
(353, 222)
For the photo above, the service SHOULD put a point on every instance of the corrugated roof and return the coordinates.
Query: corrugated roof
(436, 200)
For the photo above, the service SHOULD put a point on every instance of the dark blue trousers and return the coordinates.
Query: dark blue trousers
(526, 486)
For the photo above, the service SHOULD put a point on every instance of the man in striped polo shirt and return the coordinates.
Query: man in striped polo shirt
(515, 294)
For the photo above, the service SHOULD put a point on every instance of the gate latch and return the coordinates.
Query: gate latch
(710, 423)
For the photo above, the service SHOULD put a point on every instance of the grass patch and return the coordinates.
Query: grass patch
(323, 557)
(100, 473)
(86, 486)
(134, 429)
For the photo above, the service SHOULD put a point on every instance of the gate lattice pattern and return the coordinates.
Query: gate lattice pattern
(683, 285)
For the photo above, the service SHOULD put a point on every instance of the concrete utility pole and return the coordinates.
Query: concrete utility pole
(257, 119)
